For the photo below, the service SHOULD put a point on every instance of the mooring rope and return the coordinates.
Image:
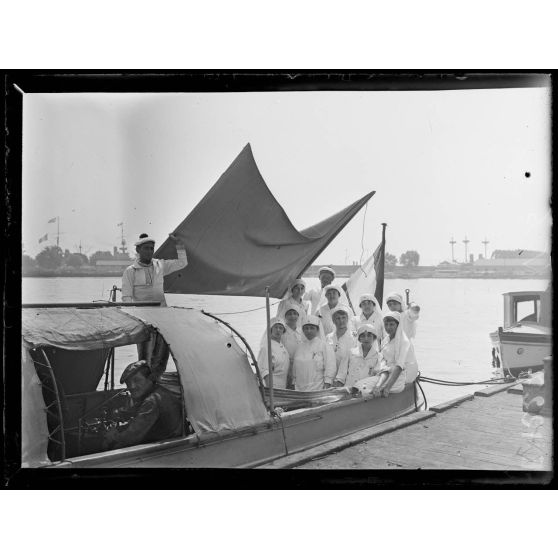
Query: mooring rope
(454, 383)
(242, 311)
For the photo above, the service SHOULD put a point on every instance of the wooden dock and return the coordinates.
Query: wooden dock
(485, 431)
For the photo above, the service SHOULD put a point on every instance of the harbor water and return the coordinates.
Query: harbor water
(452, 340)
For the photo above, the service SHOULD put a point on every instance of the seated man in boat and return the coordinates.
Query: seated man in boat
(409, 316)
(156, 413)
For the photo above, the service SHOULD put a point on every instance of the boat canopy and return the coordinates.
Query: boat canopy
(240, 240)
(80, 329)
(220, 389)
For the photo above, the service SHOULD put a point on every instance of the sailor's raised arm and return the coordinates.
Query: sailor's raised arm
(182, 261)
(128, 284)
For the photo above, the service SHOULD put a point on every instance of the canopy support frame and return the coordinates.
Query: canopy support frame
(51, 378)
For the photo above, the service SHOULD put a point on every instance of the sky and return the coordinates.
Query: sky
(443, 164)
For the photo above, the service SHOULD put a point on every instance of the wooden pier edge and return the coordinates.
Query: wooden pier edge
(298, 458)
(493, 390)
(323, 450)
(453, 403)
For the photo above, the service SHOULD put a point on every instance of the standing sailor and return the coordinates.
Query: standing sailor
(143, 280)
(409, 316)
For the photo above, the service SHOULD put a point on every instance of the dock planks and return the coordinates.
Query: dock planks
(481, 433)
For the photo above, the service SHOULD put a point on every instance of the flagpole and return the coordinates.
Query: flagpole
(58, 232)
(379, 294)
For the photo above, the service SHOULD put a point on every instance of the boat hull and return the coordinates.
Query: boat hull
(518, 351)
(250, 447)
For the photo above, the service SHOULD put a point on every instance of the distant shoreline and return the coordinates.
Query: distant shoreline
(407, 273)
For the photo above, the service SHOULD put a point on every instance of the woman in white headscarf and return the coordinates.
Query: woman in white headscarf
(371, 314)
(292, 338)
(342, 339)
(314, 361)
(362, 362)
(325, 312)
(409, 316)
(279, 356)
(399, 365)
(295, 297)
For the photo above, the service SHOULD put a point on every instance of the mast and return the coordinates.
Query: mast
(485, 242)
(452, 242)
(123, 247)
(466, 242)
(58, 232)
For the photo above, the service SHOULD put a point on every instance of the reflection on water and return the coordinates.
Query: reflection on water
(452, 335)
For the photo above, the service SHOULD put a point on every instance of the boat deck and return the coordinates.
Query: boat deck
(485, 431)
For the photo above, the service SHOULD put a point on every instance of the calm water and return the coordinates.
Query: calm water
(452, 336)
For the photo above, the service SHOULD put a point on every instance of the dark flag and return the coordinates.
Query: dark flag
(379, 261)
(369, 277)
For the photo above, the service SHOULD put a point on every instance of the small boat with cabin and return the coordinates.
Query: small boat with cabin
(526, 336)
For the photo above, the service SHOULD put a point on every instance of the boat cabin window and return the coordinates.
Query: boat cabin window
(526, 309)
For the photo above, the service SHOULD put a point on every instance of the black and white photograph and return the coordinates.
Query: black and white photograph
(307, 272)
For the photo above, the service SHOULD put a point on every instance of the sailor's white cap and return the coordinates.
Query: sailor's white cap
(143, 240)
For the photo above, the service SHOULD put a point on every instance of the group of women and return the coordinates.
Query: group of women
(327, 345)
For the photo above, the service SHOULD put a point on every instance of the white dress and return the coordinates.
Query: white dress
(341, 346)
(355, 366)
(279, 363)
(402, 356)
(314, 364)
(291, 339)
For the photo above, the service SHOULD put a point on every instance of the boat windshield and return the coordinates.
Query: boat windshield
(526, 309)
